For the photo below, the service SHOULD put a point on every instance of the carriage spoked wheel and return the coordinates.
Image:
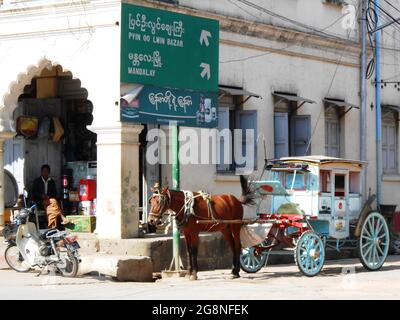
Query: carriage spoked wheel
(309, 254)
(251, 261)
(373, 245)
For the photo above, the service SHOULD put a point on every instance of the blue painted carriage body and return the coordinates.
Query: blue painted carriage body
(328, 191)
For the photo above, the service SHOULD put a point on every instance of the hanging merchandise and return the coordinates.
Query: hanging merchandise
(58, 129)
(27, 126)
(44, 127)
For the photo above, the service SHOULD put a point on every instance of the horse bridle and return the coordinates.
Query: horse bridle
(164, 202)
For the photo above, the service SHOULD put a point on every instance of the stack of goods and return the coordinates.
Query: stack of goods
(87, 196)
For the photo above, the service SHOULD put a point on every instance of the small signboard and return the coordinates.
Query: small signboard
(158, 105)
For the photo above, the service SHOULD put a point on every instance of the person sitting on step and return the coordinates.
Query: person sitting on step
(44, 192)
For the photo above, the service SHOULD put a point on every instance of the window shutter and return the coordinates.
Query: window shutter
(223, 123)
(300, 135)
(247, 120)
(332, 137)
(281, 135)
(389, 145)
(392, 142)
(385, 166)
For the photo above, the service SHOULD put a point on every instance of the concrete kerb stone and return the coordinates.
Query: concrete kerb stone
(120, 267)
(214, 252)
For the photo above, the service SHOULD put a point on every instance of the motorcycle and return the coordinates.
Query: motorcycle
(29, 247)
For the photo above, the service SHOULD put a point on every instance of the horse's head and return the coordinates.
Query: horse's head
(159, 203)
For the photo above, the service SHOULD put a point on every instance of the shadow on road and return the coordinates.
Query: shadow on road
(327, 271)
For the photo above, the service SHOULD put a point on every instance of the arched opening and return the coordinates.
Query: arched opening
(51, 118)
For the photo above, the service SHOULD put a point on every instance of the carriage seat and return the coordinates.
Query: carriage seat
(290, 209)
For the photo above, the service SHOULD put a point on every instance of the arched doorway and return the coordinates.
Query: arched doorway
(117, 172)
(50, 116)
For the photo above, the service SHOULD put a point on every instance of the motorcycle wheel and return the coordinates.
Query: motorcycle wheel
(71, 265)
(15, 260)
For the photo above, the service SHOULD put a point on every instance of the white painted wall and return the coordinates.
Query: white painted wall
(309, 78)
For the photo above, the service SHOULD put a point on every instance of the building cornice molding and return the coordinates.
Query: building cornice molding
(228, 24)
(290, 53)
(62, 6)
(259, 29)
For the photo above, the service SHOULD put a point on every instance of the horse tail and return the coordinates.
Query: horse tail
(248, 195)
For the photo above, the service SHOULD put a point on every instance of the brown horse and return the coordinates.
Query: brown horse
(224, 207)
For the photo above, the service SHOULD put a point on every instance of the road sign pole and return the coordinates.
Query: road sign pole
(175, 158)
(176, 263)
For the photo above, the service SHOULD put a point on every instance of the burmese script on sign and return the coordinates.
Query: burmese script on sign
(141, 22)
(161, 33)
(170, 100)
(151, 61)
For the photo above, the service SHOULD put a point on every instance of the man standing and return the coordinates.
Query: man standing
(44, 193)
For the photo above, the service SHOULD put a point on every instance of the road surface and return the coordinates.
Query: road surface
(345, 279)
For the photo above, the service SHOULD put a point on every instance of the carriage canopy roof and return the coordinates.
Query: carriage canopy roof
(322, 160)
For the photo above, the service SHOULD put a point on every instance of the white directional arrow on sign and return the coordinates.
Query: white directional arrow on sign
(206, 70)
(204, 37)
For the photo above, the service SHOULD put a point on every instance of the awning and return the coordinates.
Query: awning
(392, 107)
(289, 97)
(237, 92)
(293, 98)
(339, 103)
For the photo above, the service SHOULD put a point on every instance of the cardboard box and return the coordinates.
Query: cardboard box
(73, 196)
(46, 88)
(82, 223)
(7, 215)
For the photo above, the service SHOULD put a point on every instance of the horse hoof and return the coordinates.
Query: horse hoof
(193, 277)
(235, 276)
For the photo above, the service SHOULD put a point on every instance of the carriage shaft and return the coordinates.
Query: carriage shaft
(238, 221)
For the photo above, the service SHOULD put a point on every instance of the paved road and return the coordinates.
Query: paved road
(344, 279)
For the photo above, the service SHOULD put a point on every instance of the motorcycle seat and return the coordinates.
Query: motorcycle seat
(43, 233)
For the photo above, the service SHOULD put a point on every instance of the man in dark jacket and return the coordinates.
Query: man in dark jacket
(44, 192)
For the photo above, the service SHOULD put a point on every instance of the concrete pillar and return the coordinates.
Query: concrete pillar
(117, 180)
(5, 135)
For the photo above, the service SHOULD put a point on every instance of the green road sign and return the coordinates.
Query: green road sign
(168, 49)
(148, 104)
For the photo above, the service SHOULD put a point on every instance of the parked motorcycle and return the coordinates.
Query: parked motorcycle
(29, 247)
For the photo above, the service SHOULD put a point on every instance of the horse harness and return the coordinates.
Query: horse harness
(188, 206)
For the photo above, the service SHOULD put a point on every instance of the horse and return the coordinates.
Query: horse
(218, 207)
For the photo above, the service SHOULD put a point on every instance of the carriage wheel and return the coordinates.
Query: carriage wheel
(373, 245)
(251, 262)
(310, 253)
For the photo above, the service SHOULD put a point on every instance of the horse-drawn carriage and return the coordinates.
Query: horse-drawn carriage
(315, 205)
(304, 207)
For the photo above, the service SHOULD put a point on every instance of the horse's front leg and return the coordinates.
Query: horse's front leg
(189, 253)
(195, 245)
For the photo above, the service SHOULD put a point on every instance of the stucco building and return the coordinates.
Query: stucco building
(298, 61)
